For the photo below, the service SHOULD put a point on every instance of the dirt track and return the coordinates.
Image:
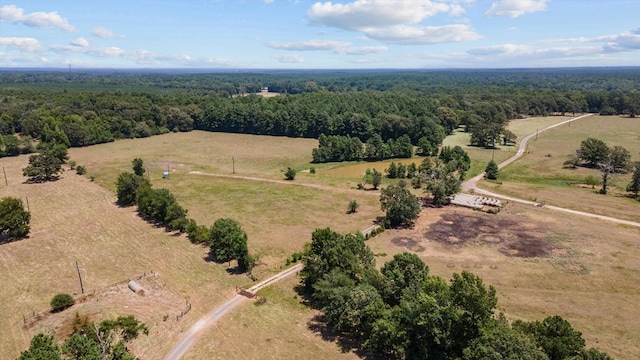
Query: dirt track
(472, 184)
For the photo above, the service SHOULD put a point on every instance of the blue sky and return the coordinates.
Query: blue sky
(300, 34)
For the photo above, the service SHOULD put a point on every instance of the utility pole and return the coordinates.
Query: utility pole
(6, 182)
(233, 162)
(80, 277)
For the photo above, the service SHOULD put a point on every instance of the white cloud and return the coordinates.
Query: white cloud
(21, 43)
(14, 14)
(417, 35)
(337, 47)
(363, 50)
(103, 32)
(143, 57)
(628, 41)
(374, 13)
(394, 21)
(515, 8)
(289, 58)
(504, 49)
(309, 45)
(81, 42)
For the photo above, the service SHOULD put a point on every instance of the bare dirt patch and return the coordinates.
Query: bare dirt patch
(408, 243)
(515, 238)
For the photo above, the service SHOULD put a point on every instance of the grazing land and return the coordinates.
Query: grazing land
(542, 263)
(540, 175)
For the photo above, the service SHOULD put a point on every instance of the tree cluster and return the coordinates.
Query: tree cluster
(228, 241)
(441, 178)
(399, 204)
(156, 205)
(401, 171)
(46, 165)
(90, 341)
(14, 219)
(403, 312)
(595, 153)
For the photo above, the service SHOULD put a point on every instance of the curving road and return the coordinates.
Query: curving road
(472, 184)
(203, 324)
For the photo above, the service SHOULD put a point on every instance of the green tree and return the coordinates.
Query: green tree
(227, 240)
(82, 347)
(502, 342)
(42, 347)
(441, 182)
(405, 274)
(392, 171)
(42, 167)
(508, 137)
(400, 205)
(290, 174)
(634, 185)
(61, 302)
(373, 177)
(616, 160)
(138, 166)
(127, 188)
(353, 207)
(555, 336)
(593, 151)
(491, 171)
(475, 304)
(14, 219)
(330, 251)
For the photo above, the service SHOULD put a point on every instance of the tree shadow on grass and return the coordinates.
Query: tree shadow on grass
(347, 344)
(5, 239)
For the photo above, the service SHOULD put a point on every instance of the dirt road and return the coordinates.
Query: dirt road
(472, 184)
(203, 324)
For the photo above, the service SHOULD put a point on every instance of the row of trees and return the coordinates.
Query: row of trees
(403, 312)
(225, 238)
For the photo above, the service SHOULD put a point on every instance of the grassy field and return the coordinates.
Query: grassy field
(540, 176)
(588, 276)
(73, 219)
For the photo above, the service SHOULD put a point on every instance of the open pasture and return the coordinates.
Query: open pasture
(74, 219)
(586, 272)
(540, 176)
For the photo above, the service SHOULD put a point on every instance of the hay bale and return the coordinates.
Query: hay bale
(136, 288)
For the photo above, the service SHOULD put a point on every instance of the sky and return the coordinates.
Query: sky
(300, 34)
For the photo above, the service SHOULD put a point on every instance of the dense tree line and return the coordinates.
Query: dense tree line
(100, 107)
(403, 312)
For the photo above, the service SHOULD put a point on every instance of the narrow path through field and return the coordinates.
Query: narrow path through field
(472, 184)
(206, 321)
(285, 182)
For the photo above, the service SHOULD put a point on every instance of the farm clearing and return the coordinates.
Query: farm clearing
(587, 275)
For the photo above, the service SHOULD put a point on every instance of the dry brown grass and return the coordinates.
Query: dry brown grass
(73, 220)
(589, 277)
(540, 174)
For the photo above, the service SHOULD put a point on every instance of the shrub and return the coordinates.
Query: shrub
(312, 170)
(61, 302)
(81, 170)
(72, 164)
(290, 174)
(491, 171)
(353, 207)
